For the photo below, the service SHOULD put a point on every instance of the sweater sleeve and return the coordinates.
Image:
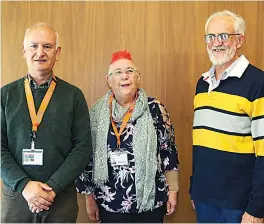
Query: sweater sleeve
(166, 138)
(11, 173)
(256, 198)
(81, 151)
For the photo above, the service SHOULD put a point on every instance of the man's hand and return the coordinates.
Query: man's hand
(247, 218)
(172, 202)
(37, 209)
(92, 208)
(38, 195)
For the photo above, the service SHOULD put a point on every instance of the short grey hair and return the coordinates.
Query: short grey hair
(42, 24)
(240, 25)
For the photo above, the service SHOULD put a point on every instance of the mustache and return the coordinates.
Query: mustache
(219, 48)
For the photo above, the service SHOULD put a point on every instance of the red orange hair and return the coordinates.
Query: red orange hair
(121, 55)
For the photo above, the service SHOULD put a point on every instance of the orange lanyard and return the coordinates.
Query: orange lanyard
(125, 119)
(37, 118)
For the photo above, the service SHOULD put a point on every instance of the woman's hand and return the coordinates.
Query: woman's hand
(92, 208)
(172, 202)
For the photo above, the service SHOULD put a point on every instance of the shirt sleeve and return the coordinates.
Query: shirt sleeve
(84, 183)
(166, 140)
(256, 198)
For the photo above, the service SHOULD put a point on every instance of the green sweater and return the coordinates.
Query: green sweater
(64, 135)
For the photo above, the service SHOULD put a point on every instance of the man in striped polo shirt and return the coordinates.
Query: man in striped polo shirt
(227, 184)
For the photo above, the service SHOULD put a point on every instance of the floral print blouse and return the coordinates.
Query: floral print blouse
(119, 193)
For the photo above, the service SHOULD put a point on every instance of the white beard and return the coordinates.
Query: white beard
(229, 54)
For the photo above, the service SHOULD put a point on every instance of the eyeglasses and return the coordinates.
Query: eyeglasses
(129, 71)
(221, 37)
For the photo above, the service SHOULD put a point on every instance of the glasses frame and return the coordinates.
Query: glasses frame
(218, 37)
(135, 71)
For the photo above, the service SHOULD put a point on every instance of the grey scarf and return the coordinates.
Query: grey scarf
(144, 146)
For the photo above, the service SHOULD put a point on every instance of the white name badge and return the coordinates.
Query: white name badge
(118, 158)
(32, 157)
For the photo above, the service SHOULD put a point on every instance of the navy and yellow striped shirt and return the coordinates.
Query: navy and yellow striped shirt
(228, 141)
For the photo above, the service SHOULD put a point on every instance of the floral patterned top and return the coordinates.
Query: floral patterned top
(119, 193)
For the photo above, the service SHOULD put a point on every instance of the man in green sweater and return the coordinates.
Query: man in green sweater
(45, 137)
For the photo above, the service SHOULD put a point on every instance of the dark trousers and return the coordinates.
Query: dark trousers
(214, 214)
(14, 208)
(155, 216)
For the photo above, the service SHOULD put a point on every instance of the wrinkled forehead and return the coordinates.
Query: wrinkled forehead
(40, 35)
(122, 64)
(221, 24)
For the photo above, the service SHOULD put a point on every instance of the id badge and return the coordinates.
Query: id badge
(32, 157)
(118, 158)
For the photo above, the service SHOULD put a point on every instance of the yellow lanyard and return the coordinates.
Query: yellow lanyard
(125, 119)
(37, 118)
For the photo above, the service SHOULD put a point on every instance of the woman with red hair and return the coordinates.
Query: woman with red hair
(133, 175)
